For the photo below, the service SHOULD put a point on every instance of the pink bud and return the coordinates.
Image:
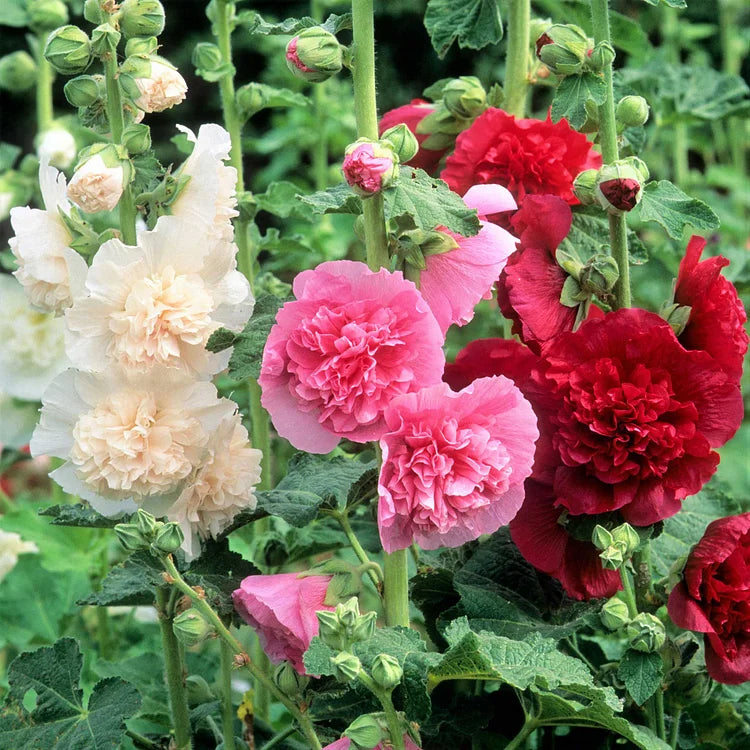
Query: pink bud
(293, 57)
(622, 193)
(369, 168)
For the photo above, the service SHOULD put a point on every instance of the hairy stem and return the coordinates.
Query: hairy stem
(44, 109)
(359, 550)
(627, 586)
(395, 728)
(519, 740)
(517, 57)
(396, 588)
(227, 707)
(675, 732)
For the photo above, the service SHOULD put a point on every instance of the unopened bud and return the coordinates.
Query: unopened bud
(404, 142)
(17, 72)
(632, 111)
(68, 50)
(141, 18)
(615, 614)
(198, 690)
(366, 731)
(95, 186)
(620, 185)
(626, 535)
(45, 15)
(676, 315)
(346, 666)
(289, 680)
(601, 57)
(613, 558)
(207, 57)
(564, 48)
(369, 166)
(139, 45)
(465, 97)
(190, 627)
(364, 628)
(82, 91)
(146, 524)
(330, 630)
(104, 40)
(169, 538)
(250, 98)
(314, 55)
(646, 633)
(584, 186)
(92, 11)
(136, 138)
(601, 538)
(386, 671)
(599, 277)
(130, 537)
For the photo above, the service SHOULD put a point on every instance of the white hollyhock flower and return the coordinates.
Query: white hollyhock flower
(17, 421)
(210, 196)
(96, 187)
(127, 438)
(57, 147)
(50, 270)
(11, 546)
(157, 303)
(164, 88)
(33, 344)
(223, 485)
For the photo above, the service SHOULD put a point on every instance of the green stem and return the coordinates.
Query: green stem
(610, 153)
(395, 725)
(279, 738)
(528, 727)
(627, 586)
(396, 588)
(175, 672)
(140, 741)
(359, 550)
(517, 57)
(232, 122)
(44, 109)
(644, 585)
(731, 50)
(679, 134)
(658, 699)
(227, 707)
(319, 153)
(675, 733)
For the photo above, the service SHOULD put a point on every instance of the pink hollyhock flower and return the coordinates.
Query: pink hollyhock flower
(411, 115)
(713, 597)
(454, 463)
(282, 610)
(717, 317)
(368, 167)
(525, 155)
(345, 744)
(352, 341)
(454, 282)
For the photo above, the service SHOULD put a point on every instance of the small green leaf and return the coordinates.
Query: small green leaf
(220, 339)
(589, 232)
(279, 200)
(667, 205)
(335, 200)
(255, 24)
(78, 515)
(13, 13)
(212, 76)
(641, 674)
(572, 94)
(131, 583)
(473, 23)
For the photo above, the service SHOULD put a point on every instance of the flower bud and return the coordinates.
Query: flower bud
(198, 690)
(136, 138)
(82, 91)
(601, 56)
(619, 185)
(347, 613)
(207, 57)
(104, 40)
(346, 666)
(250, 98)
(646, 633)
(17, 72)
(314, 55)
(57, 147)
(141, 18)
(45, 15)
(676, 315)
(584, 186)
(146, 524)
(330, 630)
(599, 277)
(465, 97)
(366, 731)
(386, 671)
(564, 48)
(369, 166)
(343, 586)
(139, 45)
(161, 89)
(601, 538)
(404, 142)
(626, 534)
(632, 111)
(613, 558)
(92, 11)
(95, 186)
(169, 538)
(289, 680)
(190, 627)
(68, 50)
(364, 627)
(130, 537)
(615, 614)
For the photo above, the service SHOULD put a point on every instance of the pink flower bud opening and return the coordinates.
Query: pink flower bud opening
(293, 57)
(363, 170)
(621, 193)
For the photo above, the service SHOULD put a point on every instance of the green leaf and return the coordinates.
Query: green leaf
(430, 202)
(667, 205)
(61, 720)
(706, 93)
(13, 13)
(212, 76)
(220, 339)
(473, 23)
(146, 672)
(130, 583)
(8, 155)
(670, 3)
(590, 231)
(572, 94)
(255, 24)
(335, 200)
(275, 97)
(641, 673)
(78, 515)
(279, 200)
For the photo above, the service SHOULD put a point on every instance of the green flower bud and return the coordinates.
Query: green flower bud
(68, 50)
(138, 45)
(626, 535)
(207, 56)
(584, 186)
(141, 18)
(330, 630)
(615, 614)
(146, 524)
(250, 98)
(82, 91)
(130, 537)
(465, 97)
(386, 671)
(601, 538)
(198, 690)
(314, 55)
(190, 627)
(364, 628)
(564, 48)
(366, 731)
(601, 56)
(613, 558)
(92, 11)
(690, 686)
(346, 667)
(289, 680)
(136, 138)
(619, 186)
(348, 613)
(646, 633)
(632, 111)
(45, 15)
(17, 72)
(169, 538)
(104, 40)
(404, 142)
(676, 315)
(537, 27)
(599, 276)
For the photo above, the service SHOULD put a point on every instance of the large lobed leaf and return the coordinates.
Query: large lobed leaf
(667, 205)
(472, 23)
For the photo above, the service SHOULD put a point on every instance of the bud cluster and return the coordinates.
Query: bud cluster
(345, 626)
(144, 532)
(617, 546)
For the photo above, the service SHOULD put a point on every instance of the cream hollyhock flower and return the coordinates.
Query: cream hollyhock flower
(210, 196)
(58, 147)
(157, 303)
(11, 546)
(223, 485)
(127, 439)
(17, 421)
(164, 88)
(95, 186)
(50, 270)
(33, 350)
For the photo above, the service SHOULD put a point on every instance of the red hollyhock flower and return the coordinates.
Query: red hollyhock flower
(714, 597)
(717, 316)
(637, 417)
(411, 115)
(525, 156)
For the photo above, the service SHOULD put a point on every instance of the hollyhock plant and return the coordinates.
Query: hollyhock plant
(49, 269)
(717, 316)
(527, 156)
(453, 283)
(158, 302)
(353, 340)
(713, 597)
(95, 186)
(411, 115)
(161, 89)
(453, 463)
(282, 610)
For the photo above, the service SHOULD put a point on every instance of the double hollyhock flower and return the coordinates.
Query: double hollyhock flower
(350, 343)
(411, 115)
(527, 156)
(454, 464)
(48, 267)
(162, 89)
(713, 597)
(369, 167)
(282, 610)
(95, 186)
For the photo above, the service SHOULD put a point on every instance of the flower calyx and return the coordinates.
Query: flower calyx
(68, 50)
(287, 679)
(191, 628)
(314, 55)
(386, 672)
(614, 614)
(368, 731)
(564, 49)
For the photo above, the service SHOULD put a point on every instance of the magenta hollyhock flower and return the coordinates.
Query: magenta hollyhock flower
(411, 115)
(454, 282)
(282, 610)
(368, 167)
(352, 341)
(454, 464)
